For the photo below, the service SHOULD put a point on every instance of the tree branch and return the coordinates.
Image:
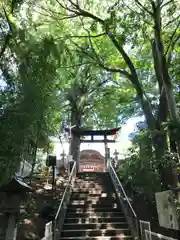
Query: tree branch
(143, 7)
(171, 21)
(77, 65)
(172, 48)
(136, 12)
(165, 4)
(116, 70)
(100, 63)
(8, 36)
(79, 11)
(67, 8)
(99, 85)
(85, 13)
(56, 18)
(89, 36)
(111, 8)
(55, 14)
(6, 42)
(134, 77)
(83, 36)
(171, 39)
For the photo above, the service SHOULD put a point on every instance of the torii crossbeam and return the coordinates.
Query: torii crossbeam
(92, 133)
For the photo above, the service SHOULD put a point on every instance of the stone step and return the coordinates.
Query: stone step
(88, 185)
(86, 195)
(92, 174)
(96, 220)
(91, 205)
(91, 183)
(92, 226)
(94, 214)
(91, 209)
(98, 238)
(90, 191)
(95, 232)
(93, 178)
(87, 189)
(94, 182)
(95, 196)
(90, 178)
(82, 180)
(105, 201)
(86, 181)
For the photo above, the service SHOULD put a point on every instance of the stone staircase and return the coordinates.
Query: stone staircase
(94, 212)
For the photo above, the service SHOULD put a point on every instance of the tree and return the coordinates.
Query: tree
(117, 28)
(27, 115)
(40, 78)
(80, 94)
(100, 55)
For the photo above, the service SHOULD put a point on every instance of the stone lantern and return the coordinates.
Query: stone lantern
(116, 158)
(51, 162)
(11, 196)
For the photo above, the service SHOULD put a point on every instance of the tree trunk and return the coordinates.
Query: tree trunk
(146, 106)
(163, 66)
(34, 160)
(35, 150)
(158, 139)
(172, 142)
(75, 138)
(168, 175)
(11, 232)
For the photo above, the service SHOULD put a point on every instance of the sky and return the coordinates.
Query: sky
(130, 127)
(2, 83)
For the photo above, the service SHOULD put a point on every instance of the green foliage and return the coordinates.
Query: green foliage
(141, 173)
(28, 113)
(138, 173)
(56, 63)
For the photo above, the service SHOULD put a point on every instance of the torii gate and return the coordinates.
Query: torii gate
(93, 133)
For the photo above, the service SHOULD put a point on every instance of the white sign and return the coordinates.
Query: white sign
(166, 210)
